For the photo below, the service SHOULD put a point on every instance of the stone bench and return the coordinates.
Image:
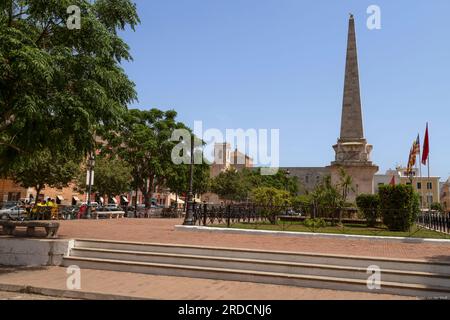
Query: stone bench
(51, 228)
(109, 214)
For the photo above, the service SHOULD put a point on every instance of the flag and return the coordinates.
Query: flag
(417, 145)
(426, 148)
(392, 183)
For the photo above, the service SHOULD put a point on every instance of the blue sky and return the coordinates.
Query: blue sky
(280, 64)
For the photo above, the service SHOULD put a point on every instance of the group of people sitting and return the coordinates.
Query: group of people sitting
(48, 203)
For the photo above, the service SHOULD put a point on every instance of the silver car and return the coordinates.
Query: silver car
(12, 213)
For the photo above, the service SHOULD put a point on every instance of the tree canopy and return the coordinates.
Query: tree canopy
(46, 168)
(112, 177)
(60, 84)
(143, 140)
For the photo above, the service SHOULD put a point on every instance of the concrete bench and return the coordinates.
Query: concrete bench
(51, 228)
(109, 214)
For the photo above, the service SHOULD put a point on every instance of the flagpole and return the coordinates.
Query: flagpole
(420, 173)
(428, 163)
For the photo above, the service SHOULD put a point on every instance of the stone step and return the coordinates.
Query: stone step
(348, 272)
(428, 266)
(312, 281)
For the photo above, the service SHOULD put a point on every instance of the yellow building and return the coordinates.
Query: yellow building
(428, 188)
(445, 196)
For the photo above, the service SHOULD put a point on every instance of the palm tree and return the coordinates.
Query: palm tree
(346, 185)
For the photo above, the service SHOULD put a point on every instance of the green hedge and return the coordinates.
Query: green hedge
(369, 206)
(399, 206)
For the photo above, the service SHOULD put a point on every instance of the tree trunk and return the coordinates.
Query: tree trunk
(150, 190)
(38, 191)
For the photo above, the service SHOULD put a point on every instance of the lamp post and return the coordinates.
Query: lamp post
(91, 164)
(189, 217)
(287, 184)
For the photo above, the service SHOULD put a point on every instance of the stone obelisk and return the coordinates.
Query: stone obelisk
(352, 149)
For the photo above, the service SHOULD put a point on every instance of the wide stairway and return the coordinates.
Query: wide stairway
(402, 277)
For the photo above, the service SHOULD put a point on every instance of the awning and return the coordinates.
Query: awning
(75, 198)
(60, 198)
(124, 199)
(102, 200)
(114, 200)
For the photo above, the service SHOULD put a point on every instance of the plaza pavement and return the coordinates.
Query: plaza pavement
(99, 284)
(102, 284)
(163, 231)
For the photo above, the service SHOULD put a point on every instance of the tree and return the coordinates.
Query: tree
(274, 201)
(178, 178)
(399, 206)
(327, 198)
(369, 206)
(44, 168)
(112, 177)
(280, 180)
(230, 185)
(345, 183)
(60, 84)
(143, 141)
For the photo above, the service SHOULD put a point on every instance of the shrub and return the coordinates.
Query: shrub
(315, 223)
(274, 201)
(436, 206)
(399, 206)
(368, 205)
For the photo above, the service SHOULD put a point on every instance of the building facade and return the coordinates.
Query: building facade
(428, 188)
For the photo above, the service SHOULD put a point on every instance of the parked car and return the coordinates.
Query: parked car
(13, 213)
(93, 204)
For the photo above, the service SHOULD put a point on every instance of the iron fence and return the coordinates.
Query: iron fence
(435, 221)
(312, 219)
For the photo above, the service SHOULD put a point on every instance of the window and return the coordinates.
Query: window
(430, 199)
(13, 196)
(430, 185)
(419, 185)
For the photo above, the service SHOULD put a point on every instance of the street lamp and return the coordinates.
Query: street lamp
(91, 164)
(287, 172)
(189, 217)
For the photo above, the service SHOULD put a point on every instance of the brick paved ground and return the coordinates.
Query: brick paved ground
(24, 296)
(177, 288)
(162, 231)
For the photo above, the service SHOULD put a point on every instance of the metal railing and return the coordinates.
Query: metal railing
(436, 221)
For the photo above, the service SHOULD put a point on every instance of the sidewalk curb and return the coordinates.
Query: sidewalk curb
(308, 234)
(70, 294)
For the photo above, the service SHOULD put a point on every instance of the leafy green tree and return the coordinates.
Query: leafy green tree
(280, 180)
(112, 177)
(274, 201)
(302, 203)
(399, 206)
(369, 206)
(231, 186)
(60, 84)
(44, 168)
(143, 141)
(178, 178)
(327, 199)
